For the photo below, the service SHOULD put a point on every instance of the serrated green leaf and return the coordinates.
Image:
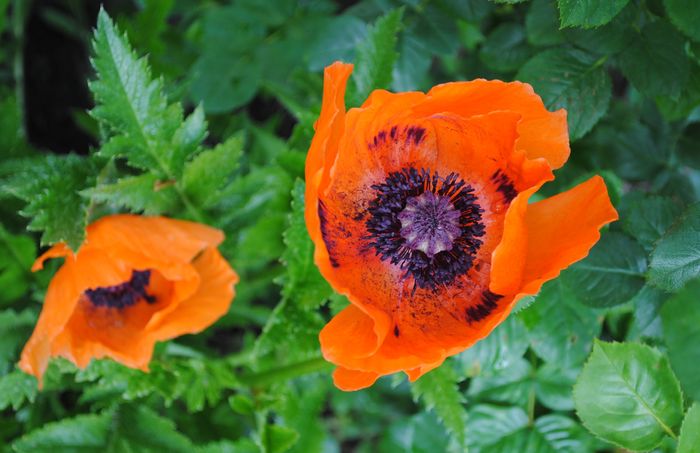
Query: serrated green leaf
(649, 217)
(302, 282)
(570, 79)
(17, 253)
(488, 425)
(143, 193)
(376, 55)
(438, 391)
(608, 39)
(685, 14)
(647, 318)
(14, 329)
(681, 321)
(130, 103)
(222, 84)
(337, 41)
(224, 446)
(689, 439)
(612, 273)
(17, 387)
(655, 61)
(139, 428)
(420, 433)
(560, 328)
(589, 13)
(505, 48)
(206, 174)
(503, 347)
(676, 259)
(84, 433)
(628, 395)
(51, 187)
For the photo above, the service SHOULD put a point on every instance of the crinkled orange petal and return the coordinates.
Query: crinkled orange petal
(57, 251)
(329, 127)
(542, 133)
(562, 229)
(210, 302)
(354, 333)
(350, 380)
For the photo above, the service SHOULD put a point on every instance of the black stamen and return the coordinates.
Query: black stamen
(439, 237)
(489, 302)
(504, 185)
(123, 295)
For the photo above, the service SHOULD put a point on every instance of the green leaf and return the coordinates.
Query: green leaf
(302, 282)
(611, 274)
(17, 253)
(655, 61)
(685, 14)
(553, 386)
(505, 49)
(84, 433)
(488, 425)
(278, 439)
(499, 350)
(628, 395)
(420, 433)
(570, 79)
(222, 83)
(130, 103)
(541, 24)
(337, 41)
(560, 328)
(14, 329)
(690, 431)
(647, 318)
(17, 387)
(242, 445)
(676, 258)
(143, 193)
(608, 39)
(649, 217)
(206, 174)
(376, 55)
(512, 384)
(681, 321)
(51, 189)
(138, 428)
(589, 13)
(438, 391)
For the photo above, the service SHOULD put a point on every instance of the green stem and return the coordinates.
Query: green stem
(284, 373)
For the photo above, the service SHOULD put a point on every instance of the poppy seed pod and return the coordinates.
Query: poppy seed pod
(135, 281)
(417, 204)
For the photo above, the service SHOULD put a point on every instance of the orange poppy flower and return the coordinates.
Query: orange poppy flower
(418, 208)
(136, 280)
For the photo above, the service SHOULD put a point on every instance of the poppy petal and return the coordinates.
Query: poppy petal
(211, 300)
(57, 251)
(542, 133)
(353, 333)
(557, 238)
(350, 380)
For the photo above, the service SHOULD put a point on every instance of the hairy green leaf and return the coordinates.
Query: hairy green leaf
(376, 55)
(628, 395)
(142, 193)
(438, 391)
(209, 171)
(17, 387)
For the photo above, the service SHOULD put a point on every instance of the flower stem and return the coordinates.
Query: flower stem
(286, 372)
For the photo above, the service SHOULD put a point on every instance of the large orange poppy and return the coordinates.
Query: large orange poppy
(418, 207)
(136, 280)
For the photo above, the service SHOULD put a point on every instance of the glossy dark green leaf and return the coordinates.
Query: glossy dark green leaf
(570, 79)
(488, 425)
(505, 48)
(278, 439)
(681, 321)
(512, 384)
(420, 433)
(676, 258)
(689, 439)
(612, 273)
(628, 395)
(649, 217)
(655, 61)
(553, 386)
(685, 14)
(542, 25)
(560, 328)
(337, 41)
(589, 13)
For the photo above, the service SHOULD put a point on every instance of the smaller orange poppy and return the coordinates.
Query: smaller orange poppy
(136, 280)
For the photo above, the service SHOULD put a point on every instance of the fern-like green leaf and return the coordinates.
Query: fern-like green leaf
(142, 193)
(208, 172)
(17, 387)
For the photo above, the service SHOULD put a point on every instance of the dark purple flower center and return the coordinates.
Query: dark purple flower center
(124, 294)
(428, 225)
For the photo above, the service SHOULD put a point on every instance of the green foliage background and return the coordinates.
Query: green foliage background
(605, 357)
